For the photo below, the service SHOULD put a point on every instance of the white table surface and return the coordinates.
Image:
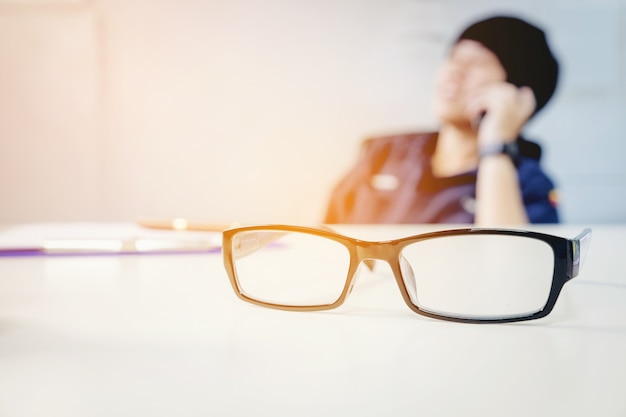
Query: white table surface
(166, 336)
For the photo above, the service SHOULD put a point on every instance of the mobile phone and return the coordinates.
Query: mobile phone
(478, 120)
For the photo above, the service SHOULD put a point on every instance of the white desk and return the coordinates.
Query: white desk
(166, 336)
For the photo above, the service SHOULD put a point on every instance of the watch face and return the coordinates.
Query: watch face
(511, 149)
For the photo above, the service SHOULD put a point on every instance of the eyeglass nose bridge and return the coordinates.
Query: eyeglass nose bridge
(383, 251)
(389, 253)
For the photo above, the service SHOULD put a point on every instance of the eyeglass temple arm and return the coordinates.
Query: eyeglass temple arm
(248, 246)
(253, 242)
(580, 247)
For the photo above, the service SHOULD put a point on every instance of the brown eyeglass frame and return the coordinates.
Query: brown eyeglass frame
(568, 254)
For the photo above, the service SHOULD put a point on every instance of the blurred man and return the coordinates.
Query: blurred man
(476, 168)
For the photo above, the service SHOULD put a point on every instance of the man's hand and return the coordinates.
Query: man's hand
(504, 109)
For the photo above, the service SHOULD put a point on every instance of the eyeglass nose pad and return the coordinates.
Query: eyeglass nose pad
(370, 263)
(408, 276)
(355, 278)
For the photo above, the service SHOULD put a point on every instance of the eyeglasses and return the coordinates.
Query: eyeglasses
(464, 275)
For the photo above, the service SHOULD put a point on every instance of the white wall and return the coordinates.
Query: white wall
(49, 162)
(250, 111)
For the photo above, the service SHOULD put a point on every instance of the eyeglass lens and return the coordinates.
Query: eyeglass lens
(480, 276)
(288, 268)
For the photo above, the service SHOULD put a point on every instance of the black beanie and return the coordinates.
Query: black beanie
(523, 52)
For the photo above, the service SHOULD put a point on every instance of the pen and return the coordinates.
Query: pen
(180, 223)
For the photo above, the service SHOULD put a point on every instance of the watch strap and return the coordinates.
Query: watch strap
(511, 149)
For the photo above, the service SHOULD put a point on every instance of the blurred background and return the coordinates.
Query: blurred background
(250, 111)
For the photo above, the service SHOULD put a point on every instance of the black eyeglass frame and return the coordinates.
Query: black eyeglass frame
(568, 254)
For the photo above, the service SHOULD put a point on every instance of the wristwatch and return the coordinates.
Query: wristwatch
(511, 149)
